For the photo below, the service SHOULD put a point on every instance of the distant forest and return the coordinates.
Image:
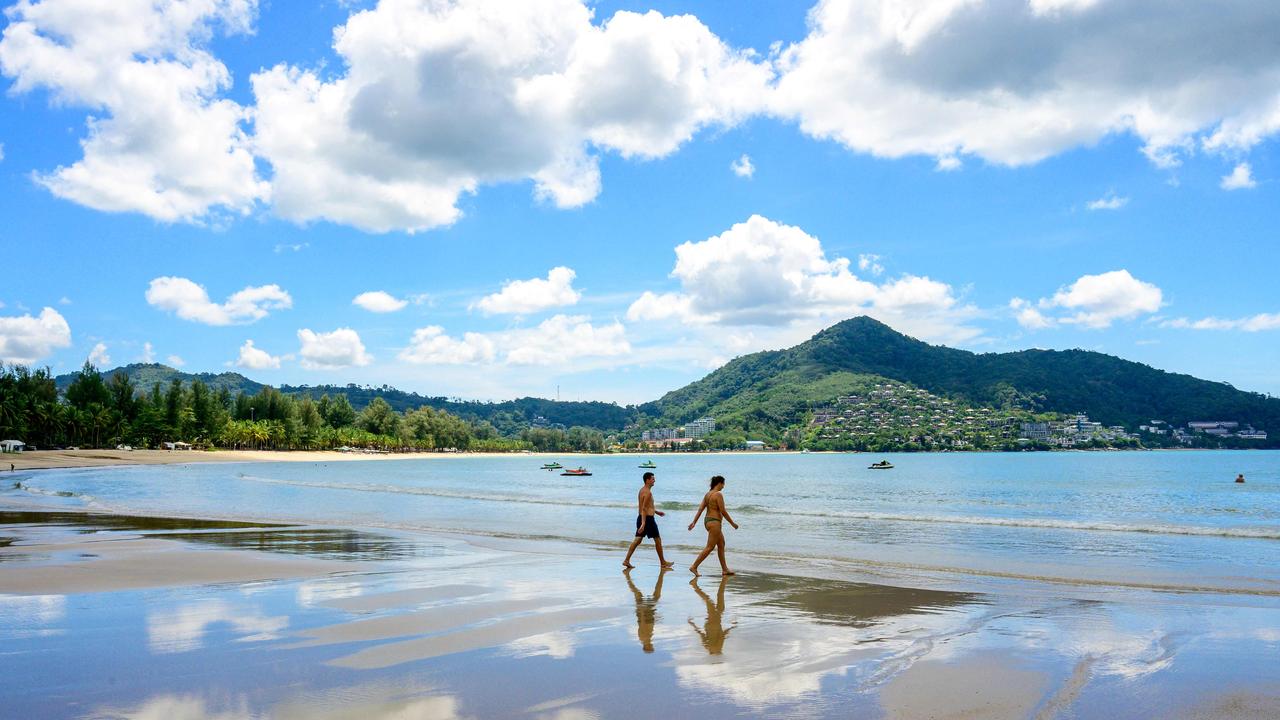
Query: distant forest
(98, 411)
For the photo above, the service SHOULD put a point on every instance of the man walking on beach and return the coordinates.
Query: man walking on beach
(647, 524)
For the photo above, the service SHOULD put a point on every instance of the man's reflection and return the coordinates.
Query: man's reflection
(713, 632)
(646, 609)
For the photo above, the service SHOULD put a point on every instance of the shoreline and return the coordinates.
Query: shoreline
(68, 459)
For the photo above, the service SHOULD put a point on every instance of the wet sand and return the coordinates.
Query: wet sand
(111, 616)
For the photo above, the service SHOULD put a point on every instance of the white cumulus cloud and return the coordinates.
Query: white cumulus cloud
(327, 351)
(437, 99)
(1092, 301)
(255, 358)
(148, 353)
(529, 296)
(742, 167)
(25, 339)
(176, 361)
(98, 356)
(1240, 178)
(431, 346)
(1016, 81)
(191, 302)
(565, 337)
(760, 272)
(162, 140)
(379, 302)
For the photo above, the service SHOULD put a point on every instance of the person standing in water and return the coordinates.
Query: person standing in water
(1240, 478)
(713, 504)
(647, 523)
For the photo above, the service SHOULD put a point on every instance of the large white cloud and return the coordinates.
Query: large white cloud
(162, 140)
(439, 98)
(763, 273)
(256, 358)
(190, 301)
(1015, 81)
(1092, 301)
(530, 296)
(431, 346)
(332, 350)
(25, 339)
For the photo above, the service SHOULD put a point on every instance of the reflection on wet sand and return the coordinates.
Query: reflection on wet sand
(712, 632)
(848, 603)
(646, 609)
(792, 632)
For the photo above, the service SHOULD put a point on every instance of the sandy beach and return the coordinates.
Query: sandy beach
(283, 621)
(315, 589)
(54, 459)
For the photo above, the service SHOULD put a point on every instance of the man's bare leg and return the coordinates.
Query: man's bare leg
(634, 544)
(657, 544)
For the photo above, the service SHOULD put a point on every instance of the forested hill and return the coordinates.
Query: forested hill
(144, 376)
(509, 416)
(774, 387)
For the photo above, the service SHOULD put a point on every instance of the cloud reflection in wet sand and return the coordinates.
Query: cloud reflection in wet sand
(182, 629)
(788, 634)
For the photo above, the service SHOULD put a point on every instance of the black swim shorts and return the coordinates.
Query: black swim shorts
(647, 526)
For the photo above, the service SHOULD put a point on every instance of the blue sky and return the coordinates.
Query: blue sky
(545, 194)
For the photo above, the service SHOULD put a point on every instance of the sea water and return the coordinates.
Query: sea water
(1105, 520)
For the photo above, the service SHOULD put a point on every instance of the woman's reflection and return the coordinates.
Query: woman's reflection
(646, 609)
(713, 632)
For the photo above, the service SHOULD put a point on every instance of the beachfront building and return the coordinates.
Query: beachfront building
(754, 444)
(11, 446)
(696, 430)
(700, 428)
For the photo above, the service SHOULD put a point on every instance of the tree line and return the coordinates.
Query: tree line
(98, 412)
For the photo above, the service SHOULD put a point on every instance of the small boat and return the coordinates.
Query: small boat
(882, 465)
(580, 472)
(552, 466)
(648, 464)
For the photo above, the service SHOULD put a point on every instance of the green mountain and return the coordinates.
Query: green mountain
(770, 392)
(145, 375)
(774, 389)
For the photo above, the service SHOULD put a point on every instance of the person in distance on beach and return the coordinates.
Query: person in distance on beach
(647, 524)
(713, 503)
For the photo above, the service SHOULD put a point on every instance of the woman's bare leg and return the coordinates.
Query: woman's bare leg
(724, 567)
(711, 543)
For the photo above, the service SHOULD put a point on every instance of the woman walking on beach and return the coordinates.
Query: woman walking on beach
(713, 504)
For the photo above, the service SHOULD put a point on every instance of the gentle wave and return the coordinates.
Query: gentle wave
(1034, 523)
(34, 490)
(428, 492)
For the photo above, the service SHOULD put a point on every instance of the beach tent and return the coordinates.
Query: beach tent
(11, 446)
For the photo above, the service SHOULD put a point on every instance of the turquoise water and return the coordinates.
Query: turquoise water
(1168, 520)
